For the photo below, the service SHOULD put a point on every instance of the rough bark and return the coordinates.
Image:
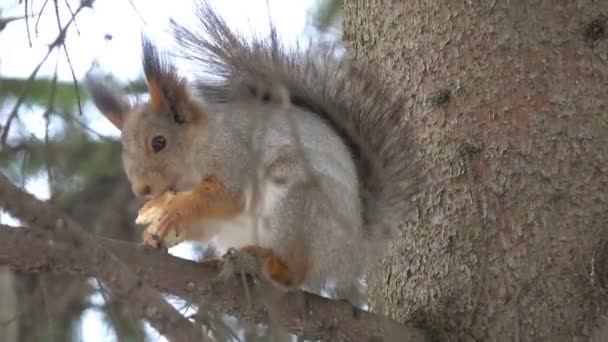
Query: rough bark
(509, 101)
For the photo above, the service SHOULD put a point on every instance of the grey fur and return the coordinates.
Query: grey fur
(311, 185)
(366, 112)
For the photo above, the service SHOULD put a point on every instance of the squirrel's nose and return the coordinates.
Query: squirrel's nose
(142, 190)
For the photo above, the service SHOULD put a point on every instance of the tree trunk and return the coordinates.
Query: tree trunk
(9, 310)
(509, 103)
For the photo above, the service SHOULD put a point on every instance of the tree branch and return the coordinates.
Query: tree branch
(189, 280)
(58, 249)
(85, 253)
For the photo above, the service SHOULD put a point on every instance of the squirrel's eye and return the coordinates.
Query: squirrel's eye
(158, 143)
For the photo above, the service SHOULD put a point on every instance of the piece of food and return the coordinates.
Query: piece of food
(150, 214)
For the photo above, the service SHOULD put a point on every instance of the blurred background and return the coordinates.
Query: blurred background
(57, 145)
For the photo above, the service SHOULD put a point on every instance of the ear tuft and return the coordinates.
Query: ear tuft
(168, 91)
(106, 95)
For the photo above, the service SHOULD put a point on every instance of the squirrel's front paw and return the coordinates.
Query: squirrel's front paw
(166, 219)
(168, 230)
(171, 215)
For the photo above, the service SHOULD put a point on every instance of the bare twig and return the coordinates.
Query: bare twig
(23, 166)
(138, 13)
(57, 42)
(47, 121)
(67, 55)
(67, 4)
(74, 79)
(57, 16)
(27, 23)
(39, 16)
(86, 127)
(121, 279)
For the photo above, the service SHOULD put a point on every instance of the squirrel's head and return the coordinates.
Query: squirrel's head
(157, 136)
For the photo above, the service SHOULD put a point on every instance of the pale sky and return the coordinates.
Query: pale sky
(121, 56)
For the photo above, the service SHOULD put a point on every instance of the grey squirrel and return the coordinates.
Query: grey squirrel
(295, 155)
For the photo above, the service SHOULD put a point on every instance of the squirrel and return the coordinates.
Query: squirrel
(295, 155)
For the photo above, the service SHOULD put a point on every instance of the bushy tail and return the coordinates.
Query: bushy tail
(367, 113)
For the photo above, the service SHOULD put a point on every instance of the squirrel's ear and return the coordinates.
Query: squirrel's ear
(106, 95)
(168, 91)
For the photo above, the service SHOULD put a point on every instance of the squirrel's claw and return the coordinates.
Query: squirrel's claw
(153, 240)
(169, 222)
